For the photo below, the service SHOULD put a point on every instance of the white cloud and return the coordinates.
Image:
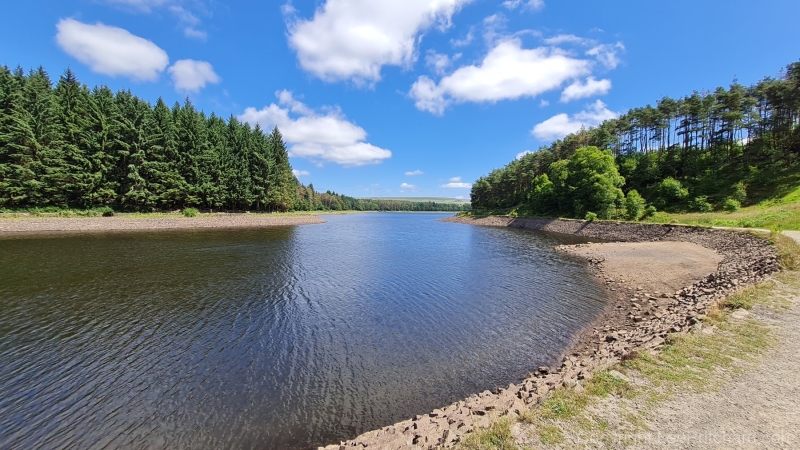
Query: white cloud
(544, 103)
(319, 137)
(189, 21)
(607, 54)
(440, 62)
(111, 51)
(530, 4)
(456, 183)
(568, 39)
(141, 5)
(561, 125)
(521, 154)
(414, 173)
(300, 173)
(192, 76)
(507, 72)
(590, 88)
(412, 187)
(466, 40)
(354, 39)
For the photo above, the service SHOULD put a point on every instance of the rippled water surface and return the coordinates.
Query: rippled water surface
(275, 337)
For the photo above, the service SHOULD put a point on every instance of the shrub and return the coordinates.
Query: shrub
(671, 192)
(591, 217)
(739, 192)
(190, 212)
(731, 205)
(700, 204)
(107, 212)
(650, 211)
(634, 205)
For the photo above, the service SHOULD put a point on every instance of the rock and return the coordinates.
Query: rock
(619, 375)
(740, 314)
(543, 370)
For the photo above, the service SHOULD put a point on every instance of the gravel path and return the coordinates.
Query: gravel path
(11, 226)
(756, 409)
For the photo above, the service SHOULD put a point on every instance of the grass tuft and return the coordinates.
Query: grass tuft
(190, 212)
(496, 437)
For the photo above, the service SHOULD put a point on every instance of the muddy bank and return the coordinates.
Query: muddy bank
(638, 318)
(33, 224)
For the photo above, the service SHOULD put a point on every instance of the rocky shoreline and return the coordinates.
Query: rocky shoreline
(634, 321)
(32, 224)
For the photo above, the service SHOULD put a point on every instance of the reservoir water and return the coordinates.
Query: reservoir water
(285, 337)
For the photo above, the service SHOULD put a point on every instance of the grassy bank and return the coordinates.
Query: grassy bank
(782, 213)
(611, 409)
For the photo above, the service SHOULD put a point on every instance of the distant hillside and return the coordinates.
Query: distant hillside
(457, 201)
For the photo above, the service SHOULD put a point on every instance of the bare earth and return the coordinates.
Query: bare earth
(122, 223)
(654, 266)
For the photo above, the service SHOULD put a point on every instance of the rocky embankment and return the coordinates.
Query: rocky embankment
(635, 321)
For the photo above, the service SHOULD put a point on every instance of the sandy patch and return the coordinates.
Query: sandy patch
(665, 266)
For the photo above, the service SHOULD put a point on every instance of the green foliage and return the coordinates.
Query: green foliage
(107, 212)
(634, 205)
(71, 147)
(542, 197)
(190, 212)
(650, 211)
(665, 151)
(700, 204)
(731, 205)
(670, 192)
(590, 216)
(588, 180)
(739, 192)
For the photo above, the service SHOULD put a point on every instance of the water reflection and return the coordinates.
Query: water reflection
(271, 338)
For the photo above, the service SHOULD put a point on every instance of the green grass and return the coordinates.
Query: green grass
(496, 437)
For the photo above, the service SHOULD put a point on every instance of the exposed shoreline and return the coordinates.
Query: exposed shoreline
(635, 320)
(33, 225)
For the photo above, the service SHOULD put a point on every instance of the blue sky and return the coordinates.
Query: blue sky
(405, 97)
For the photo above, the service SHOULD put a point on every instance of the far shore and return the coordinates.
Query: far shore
(14, 224)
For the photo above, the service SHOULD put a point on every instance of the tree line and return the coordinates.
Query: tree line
(309, 200)
(697, 153)
(69, 146)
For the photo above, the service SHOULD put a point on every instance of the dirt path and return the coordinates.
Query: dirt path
(759, 408)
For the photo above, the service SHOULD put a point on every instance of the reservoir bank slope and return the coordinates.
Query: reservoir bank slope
(33, 224)
(662, 280)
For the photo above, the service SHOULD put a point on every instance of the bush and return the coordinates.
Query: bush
(739, 192)
(650, 211)
(107, 212)
(591, 217)
(634, 205)
(731, 205)
(671, 192)
(190, 212)
(700, 204)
